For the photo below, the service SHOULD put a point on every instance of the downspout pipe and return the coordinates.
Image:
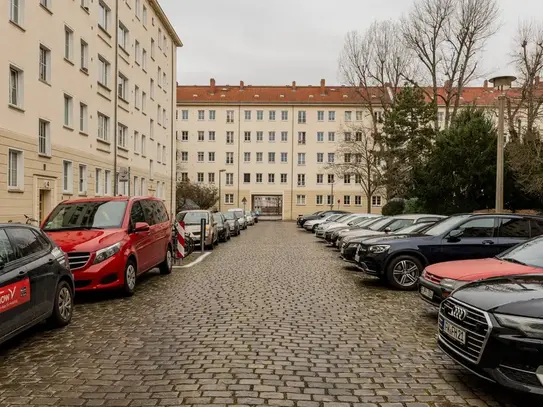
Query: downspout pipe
(116, 100)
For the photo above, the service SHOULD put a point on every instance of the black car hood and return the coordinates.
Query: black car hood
(364, 239)
(391, 239)
(522, 296)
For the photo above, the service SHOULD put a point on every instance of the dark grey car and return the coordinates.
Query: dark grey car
(233, 224)
(222, 227)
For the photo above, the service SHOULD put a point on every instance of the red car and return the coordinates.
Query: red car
(439, 280)
(110, 241)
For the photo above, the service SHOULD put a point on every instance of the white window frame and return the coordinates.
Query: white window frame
(230, 118)
(98, 182)
(122, 135)
(144, 16)
(84, 54)
(137, 186)
(44, 72)
(137, 51)
(44, 137)
(164, 155)
(300, 200)
(229, 199)
(144, 59)
(104, 69)
(302, 117)
(107, 183)
(284, 115)
(143, 145)
(376, 201)
(83, 118)
(67, 177)
(137, 142)
(83, 179)
(68, 111)
(123, 87)
(68, 43)
(319, 200)
(17, 11)
(103, 127)
(123, 40)
(143, 101)
(104, 16)
(137, 97)
(229, 137)
(19, 170)
(16, 87)
(229, 179)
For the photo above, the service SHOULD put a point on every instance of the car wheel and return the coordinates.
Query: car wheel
(130, 275)
(403, 272)
(166, 266)
(63, 307)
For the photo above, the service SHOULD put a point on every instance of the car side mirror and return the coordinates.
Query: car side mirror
(141, 227)
(455, 234)
(388, 230)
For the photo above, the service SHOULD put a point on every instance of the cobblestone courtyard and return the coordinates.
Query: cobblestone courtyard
(271, 318)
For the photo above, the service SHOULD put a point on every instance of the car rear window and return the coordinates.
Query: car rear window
(193, 218)
(86, 215)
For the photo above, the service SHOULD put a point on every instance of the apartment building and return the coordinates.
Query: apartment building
(270, 145)
(90, 103)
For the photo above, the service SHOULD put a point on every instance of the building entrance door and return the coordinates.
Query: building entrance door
(269, 206)
(44, 204)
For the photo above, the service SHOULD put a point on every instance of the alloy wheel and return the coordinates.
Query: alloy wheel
(131, 277)
(65, 303)
(406, 273)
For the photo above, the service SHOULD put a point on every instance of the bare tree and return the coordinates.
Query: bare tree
(358, 157)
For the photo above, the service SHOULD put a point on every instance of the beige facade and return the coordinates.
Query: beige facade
(79, 109)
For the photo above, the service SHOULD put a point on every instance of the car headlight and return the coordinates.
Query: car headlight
(531, 327)
(377, 249)
(104, 254)
(451, 285)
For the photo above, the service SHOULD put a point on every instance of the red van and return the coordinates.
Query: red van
(110, 241)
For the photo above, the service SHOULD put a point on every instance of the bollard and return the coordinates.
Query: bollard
(202, 234)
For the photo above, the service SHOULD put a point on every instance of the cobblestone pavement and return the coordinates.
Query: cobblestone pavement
(271, 318)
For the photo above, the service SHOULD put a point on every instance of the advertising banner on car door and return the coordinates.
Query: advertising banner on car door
(13, 295)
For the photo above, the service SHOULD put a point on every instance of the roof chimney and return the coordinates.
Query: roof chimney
(293, 85)
(212, 85)
(241, 85)
(323, 87)
(486, 84)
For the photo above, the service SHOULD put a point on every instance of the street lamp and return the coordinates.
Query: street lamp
(220, 172)
(501, 82)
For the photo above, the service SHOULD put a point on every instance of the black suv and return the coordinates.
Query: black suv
(494, 328)
(400, 259)
(35, 280)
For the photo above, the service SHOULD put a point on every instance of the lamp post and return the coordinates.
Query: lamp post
(220, 172)
(501, 82)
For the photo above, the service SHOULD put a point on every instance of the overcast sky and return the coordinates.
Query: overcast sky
(275, 42)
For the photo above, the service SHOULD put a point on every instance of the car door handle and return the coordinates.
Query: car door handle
(50, 261)
(22, 273)
(488, 242)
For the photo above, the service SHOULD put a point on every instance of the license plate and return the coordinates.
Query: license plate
(357, 258)
(426, 292)
(454, 332)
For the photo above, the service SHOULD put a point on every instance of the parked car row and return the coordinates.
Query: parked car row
(484, 272)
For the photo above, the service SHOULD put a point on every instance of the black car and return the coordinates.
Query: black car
(494, 328)
(321, 214)
(35, 281)
(400, 259)
(222, 227)
(348, 252)
(233, 223)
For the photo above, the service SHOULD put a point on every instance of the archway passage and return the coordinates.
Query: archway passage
(270, 207)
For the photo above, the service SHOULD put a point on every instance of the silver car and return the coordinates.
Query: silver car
(192, 220)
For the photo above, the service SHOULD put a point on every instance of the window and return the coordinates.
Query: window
(184, 176)
(301, 180)
(376, 200)
(247, 136)
(331, 116)
(229, 179)
(158, 153)
(358, 179)
(284, 178)
(359, 115)
(143, 186)
(272, 115)
(137, 51)
(259, 178)
(137, 6)
(158, 115)
(184, 156)
(320, 157)
(83, 180)
(259, 157)
(331, 136)
(103, 127)
(331, 157)
(284, 115)
(260, 115)
(143, 145)
(15, 169)
(319, 200)
(25, 243)
(347, 157)
(514, 228)
(201, 136)
(358, 200)
(15, 86)
(151, 169)
(358, 136)
(144, 59)
(229, 116)
(67, 177)
(348, 116)
(84, 56)
(16, 11)
(211, 136)
(271, 178)
(347, 136)
(151, 129)
(68, 110)
(229, 137)
(229, 199)
(301, 158)
(143, 101)
(301, 117)
(122, 135)
(482, 227)
(246, 157)
(201, 156)
(378, 116)
(85, 5)
(320, 115)
(284, 136)
(44, 137)
(123, 87)
(200, 177)
(104, 16)
(152, 91)
(83, 118)
(123, 36)
(136, 192)
(271, 136)
(68, 43)
(271, 157)
(184, 136)
(247, 115)
(103, 71)
(300, 199)
(211, 156)
(229, 158)
(537, 227)
(164, 118)
(320, 179)
(347, 200)
(347, 178)
(301, 137)
(98, 187)
(212, 114)
(330, 178)
(184, 113)
(201, 113)
(284, 157)
(144, 16)
(152, 48)
(45, 64)
(246, 178)
(159, 38)
(107, 182)
(164, 155)
(137, 142)
(320, 136)
(259, 136)
(329, 199)
(211, 177)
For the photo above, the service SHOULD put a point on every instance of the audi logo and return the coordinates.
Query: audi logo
(458, 313)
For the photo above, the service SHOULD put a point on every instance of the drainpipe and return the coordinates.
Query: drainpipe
(239, 147)
(116, 99)
(173, 148)
(292, 171)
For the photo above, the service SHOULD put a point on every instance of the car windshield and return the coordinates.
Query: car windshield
(230, 215)
(400, 224)
(529, 253)
(239, 214)
(413, 228)
(445, 225)
(192, 218)
(333, 217)
(217, 217)
(347, 219)
(87, 215)
(379, 224)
